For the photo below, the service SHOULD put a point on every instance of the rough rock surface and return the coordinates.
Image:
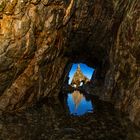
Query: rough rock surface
(39, 39)
(30, 52)
(123, 77)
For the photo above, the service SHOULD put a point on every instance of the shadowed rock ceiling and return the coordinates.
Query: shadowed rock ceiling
(39, 39)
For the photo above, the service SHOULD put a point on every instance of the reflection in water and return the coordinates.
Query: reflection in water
(78, 104)
(50, 120)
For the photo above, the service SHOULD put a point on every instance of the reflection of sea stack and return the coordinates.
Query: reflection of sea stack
(79, 77)
(77, 97)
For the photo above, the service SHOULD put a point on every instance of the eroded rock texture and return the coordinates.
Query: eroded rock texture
(31, 61)
(123, 77)
(39, 39)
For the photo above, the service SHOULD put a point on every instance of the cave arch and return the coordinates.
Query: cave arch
(42, 39)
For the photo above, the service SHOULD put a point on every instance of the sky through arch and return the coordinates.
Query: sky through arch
(87, 71)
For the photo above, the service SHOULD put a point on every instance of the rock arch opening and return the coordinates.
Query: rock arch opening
(81, 72)
(35, 57)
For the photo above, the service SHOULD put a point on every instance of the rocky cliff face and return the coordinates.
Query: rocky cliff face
(123, 77)
(79, 77)
(31, 61)
(39, 39)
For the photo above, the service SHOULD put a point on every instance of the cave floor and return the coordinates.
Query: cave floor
(52, 120)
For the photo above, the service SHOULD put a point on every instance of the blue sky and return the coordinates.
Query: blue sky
(87, 71)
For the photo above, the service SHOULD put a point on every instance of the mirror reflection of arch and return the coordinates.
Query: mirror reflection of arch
(78, 104)
(85, 74)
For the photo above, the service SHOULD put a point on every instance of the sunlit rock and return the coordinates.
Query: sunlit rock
(79, 78)
(40, 39)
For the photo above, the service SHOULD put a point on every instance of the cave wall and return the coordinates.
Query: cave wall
(39, 39)
(122, 81)
(31, 51)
